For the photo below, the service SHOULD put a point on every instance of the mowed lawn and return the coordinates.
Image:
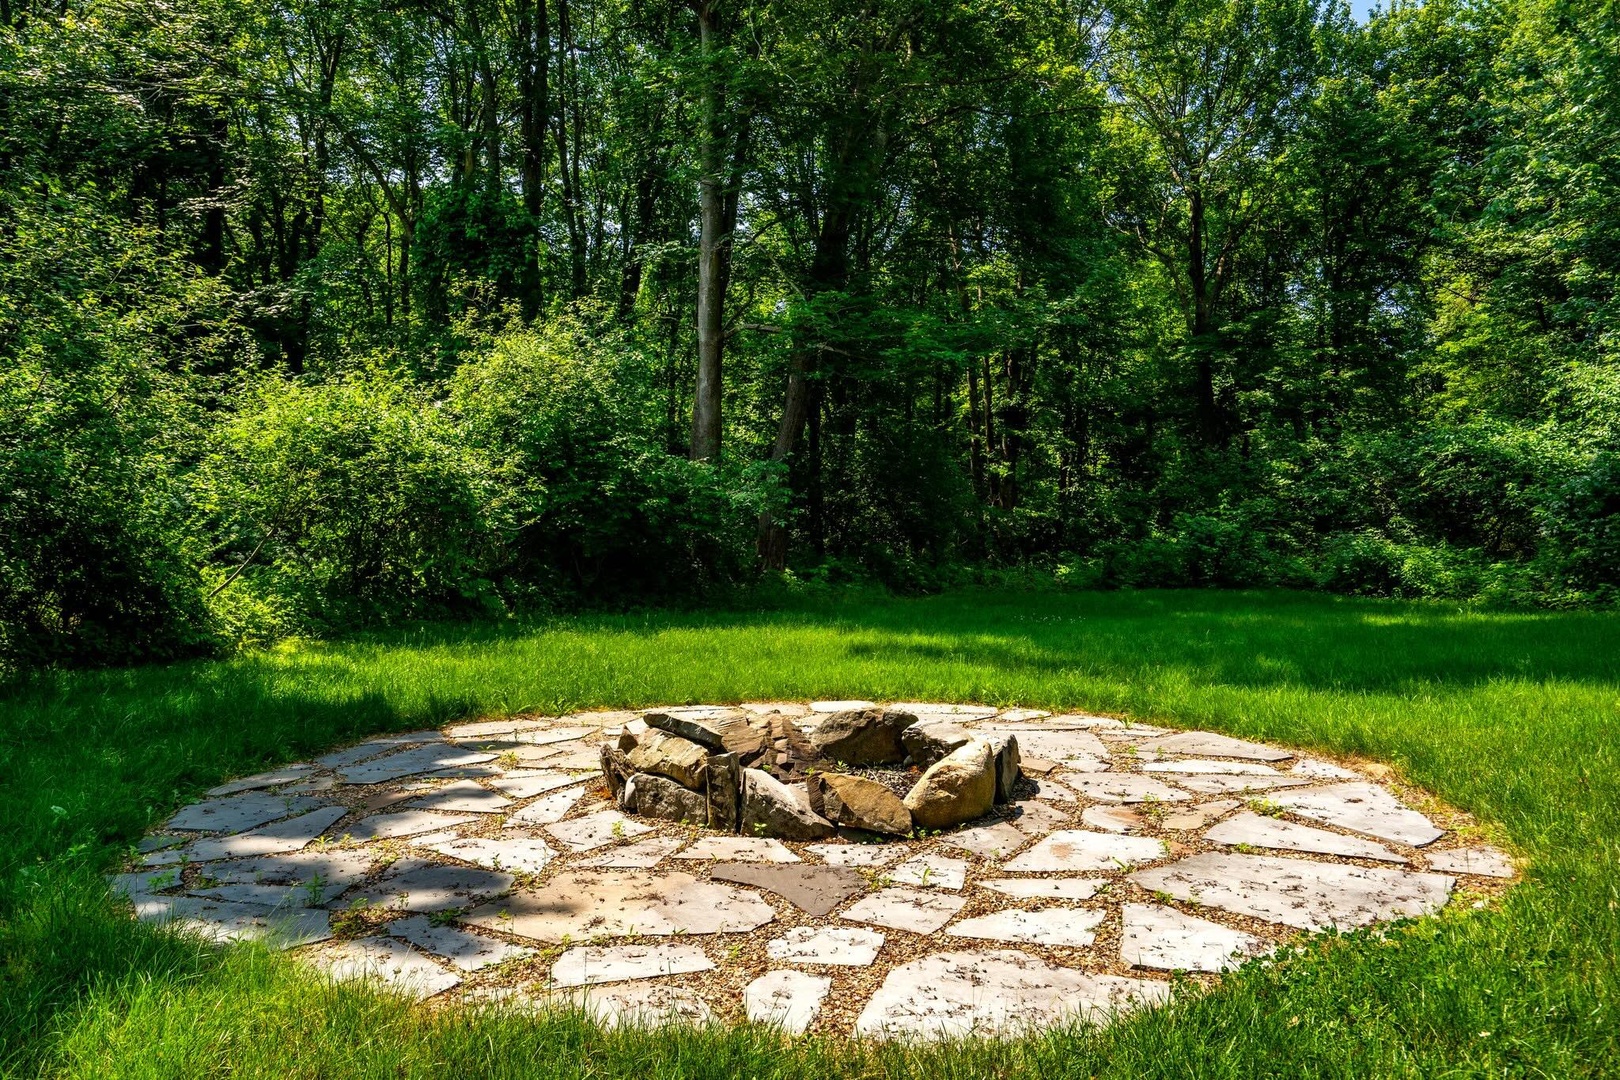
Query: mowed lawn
(1514, 717)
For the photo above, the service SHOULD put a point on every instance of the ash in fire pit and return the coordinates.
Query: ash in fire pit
(760, 775)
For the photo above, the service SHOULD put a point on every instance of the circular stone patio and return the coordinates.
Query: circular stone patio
(487, 862)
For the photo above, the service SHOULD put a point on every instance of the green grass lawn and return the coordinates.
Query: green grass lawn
(1514, 717)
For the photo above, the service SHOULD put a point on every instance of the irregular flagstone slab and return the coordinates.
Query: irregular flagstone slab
(596, 830)
(1164, 938)
(740, 849)
(222, 921)
(327, 866)
(419, 759)
(921, 709)
(1221, 784)
(550, 735)
(404, 823)
(1045, 926)
(1298, 892)
(547, 809)
(371, 748)
(1206, 765)
(435, 887)
(581, 757)
(582, 904)
(141, 884)
(275, 897)
(1113, 819)
(987, 841)
(839, 946)
(1365, 808)
(1322, 770)
(921, 911)
(1196, 817)
(856, 854)
(489, 729)
(590, 964)
(1125, 788)
(522, 856)
(1051, 744)
(283, 836)
(1037, 818)
(840, 706)
(527, 784)
(1479, 861)
(466, 797)
(1046, 888)
(789, 1000)
(930, 872)
(467, 951)
(642, 1005)
(789, 709)
(274, 778)
(815, 889)
(1015, 716)
(391, 963)
(239, 812)
(1046, 788)
(1210, 744)
(641, 855)
(1070, 850)
(1257, 830)
(953, 994)
(1084, 721)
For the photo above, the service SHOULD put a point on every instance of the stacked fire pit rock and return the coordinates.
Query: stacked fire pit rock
(762, 776)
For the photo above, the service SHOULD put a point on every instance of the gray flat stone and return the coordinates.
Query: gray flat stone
(463, 797)
(1057, 745)
(1052, 791)
(1164, 938)
(391, 963)
(1322, 770)
(1210, 744)
(1208, 765)
(987, 841)
(1256, 830)
(930, 871)
(490, 729)
(1046, 888)
(789, 1000)
(550, 735)
(518, 856)
(1364, 808)
(920, 911)
(1298, 892)
(222, 921)
(814, 889)
(404, 823)
(547, 809)
(1018, 716)
(856, 854)
(739, 849)
(326, 866)
(591, 964)
(582, 904)
(1071, 850)
(837, 946)
(411, 762)
(435, 887)
(1067, 927)
(1223, 784)
(1185, 819)
(642, 1005)
(282, 836)
(467, 951)
(349, 755)
(1124, 788)
(596, 830)
(641, 855)
(953, 994)
(921, 709)
(274, 778)
(1477, 861)
(239, 812)
(1112, 819)
(1034, 818)
(840, 706)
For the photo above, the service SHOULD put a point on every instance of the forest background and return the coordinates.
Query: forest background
(319, 314)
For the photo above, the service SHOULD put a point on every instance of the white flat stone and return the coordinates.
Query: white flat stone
(1363, 807)
(391, 963)
(547, 809)
(517, 856)
(1112, 819)
(579, 757)
(489, 729)
(1322, 770)
(1165, 939)
(921, 911)
(1051, 744)
(415, 886)
(596, 830)
(841, 946)
(839, 706)
(239, 812)
(1071, 850)
(1257, 830)
(467, 951)
(579, 905)
(739, 849)
(463, 797)
(1210, 744)
(641, 855)
(222, 921)
(856, 854)
(1037, 818)
(1046, 888)
(323, 867)
(591, 964)
(1085, 721)
(1187, 818)
(1226, 783)
(274, 778)
(922, 709)
(930, 872)
(282, 836)
(987, 841)
(1018, 716)
(403, 823)
(1070, 927)
(411, 762)
(526, 784)
(1298, 892)
(954, 994)
(1478, 861)
(1051, 790)
(1207, 765)
(642, 1005)
(789, 1000)
(550, 735)
(1124, 788)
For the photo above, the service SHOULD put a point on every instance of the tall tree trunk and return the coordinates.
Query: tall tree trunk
(1205, 413)
(714, 240)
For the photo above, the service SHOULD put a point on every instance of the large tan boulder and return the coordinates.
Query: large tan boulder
(957, 788)
(863, 736)
(663, 754)
(858, 803)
